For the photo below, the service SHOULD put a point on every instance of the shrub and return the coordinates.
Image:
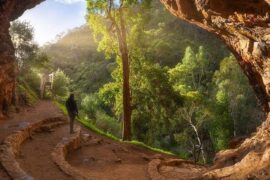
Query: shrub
(108, 123)
(25, 94)
(60, 84)
(90, 105)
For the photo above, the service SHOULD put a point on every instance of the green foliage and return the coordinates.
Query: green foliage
(138, 143)
(193, 73)
(60, 84)
(22, 38)
(26, 50)
(90, 104)
(33, 80)
(108, 124)
(96, 111)
(181, 80)
(61, 106)
(87, 123)
(26, 95)
(168, 102)
(236, 109)
(30, 61)
(110, 96)
(154, 100)
(87, 69)
(191, 78)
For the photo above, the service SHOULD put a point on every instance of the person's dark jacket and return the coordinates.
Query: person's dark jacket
(71, 106)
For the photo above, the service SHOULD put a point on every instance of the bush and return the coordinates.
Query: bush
(60, 84)
(108, 124)
(33, 80)
(90, 105)
(25, 94)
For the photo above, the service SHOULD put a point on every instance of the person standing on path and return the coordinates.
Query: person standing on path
(72, 109)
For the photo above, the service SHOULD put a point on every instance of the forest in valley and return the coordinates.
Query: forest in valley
(138, 73)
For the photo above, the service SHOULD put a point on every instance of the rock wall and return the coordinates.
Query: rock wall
(7, 66)
(9, 11)
(244, 25)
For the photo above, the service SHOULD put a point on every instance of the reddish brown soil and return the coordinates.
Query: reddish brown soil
(105, 159)
(35, 155)
(42, 110)
(99, 158)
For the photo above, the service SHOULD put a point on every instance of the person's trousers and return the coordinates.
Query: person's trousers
(71, 123)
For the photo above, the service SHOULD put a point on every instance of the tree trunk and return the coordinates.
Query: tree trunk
(126, 89)
(122, 42)
(198, 140)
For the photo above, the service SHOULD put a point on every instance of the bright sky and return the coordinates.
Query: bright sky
(53, 17)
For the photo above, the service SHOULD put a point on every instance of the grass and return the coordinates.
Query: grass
(92, 127)
(61, 107)
(138, 143)
(88, 124)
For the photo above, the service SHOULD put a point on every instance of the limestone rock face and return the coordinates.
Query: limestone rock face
(9, 11)
(7, 68)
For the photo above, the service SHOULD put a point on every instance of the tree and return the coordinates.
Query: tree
(76, 54)
(154, 102)
(108, 19)
(196, 116)
(29, 59)
(240, 103)
(25, 48)
(60, 84)
(190, 79)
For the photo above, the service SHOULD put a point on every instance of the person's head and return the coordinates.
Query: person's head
(71, 96)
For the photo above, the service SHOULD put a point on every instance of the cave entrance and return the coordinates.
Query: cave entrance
(238, 117)
(246, 32)
(256, 72)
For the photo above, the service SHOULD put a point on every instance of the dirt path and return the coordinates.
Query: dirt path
(99, 158)
(16, 121)
(105, 159)
(35, 157)
(42, 110)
